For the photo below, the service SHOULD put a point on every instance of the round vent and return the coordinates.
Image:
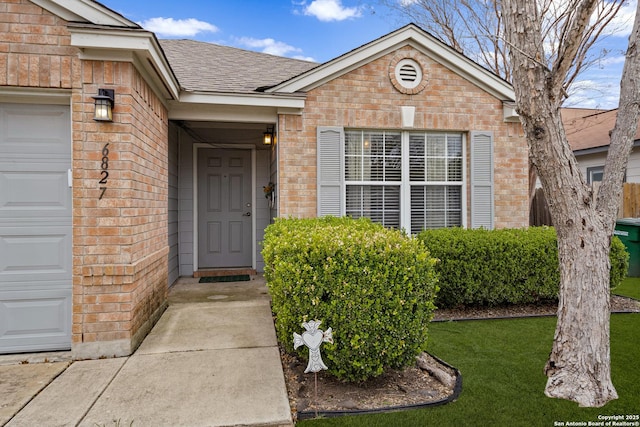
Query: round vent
(408, 73)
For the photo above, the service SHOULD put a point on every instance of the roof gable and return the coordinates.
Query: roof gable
(86, 11)
(410, 35)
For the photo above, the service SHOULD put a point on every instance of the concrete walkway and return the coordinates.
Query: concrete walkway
(211, 360)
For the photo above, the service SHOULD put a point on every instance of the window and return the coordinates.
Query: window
(373, 174)
(436, 177)
(595, 174)
(406, 179)
(431, 181)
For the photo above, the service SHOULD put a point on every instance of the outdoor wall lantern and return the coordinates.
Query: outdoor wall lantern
(104, 105)
(269, 136)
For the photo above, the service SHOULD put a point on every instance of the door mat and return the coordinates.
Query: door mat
(236, 278)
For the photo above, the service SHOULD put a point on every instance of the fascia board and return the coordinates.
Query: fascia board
(248, 100)
(600, 149)
(407, 36)
(335, 68)
(467, 69)
(223, 113)
(98, 43)
(85, 11)
(592, 150)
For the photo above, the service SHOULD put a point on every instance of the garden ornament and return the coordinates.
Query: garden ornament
(313, 338)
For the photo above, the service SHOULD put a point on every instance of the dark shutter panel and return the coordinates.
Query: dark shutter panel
(330, 171)
(482, 209)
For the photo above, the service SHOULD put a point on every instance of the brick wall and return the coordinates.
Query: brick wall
(34, 47)
(120, 241)
(366, 98)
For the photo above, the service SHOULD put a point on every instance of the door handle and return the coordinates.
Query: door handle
(246, 214)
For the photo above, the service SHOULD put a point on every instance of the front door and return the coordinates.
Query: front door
(224, 208)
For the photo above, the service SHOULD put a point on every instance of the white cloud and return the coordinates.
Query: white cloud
(622, 24)
(331, 10)
(169, 27)
(611, 60)
(272, 47)
(602, 93)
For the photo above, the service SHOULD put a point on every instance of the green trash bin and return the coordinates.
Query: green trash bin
(628, 230)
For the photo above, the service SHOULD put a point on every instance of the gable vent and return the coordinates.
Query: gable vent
(408, 73)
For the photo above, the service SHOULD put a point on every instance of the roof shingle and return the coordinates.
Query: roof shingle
(207, 67)
(589, 128)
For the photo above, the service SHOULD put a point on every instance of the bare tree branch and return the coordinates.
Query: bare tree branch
(475, 29)
(623, 134)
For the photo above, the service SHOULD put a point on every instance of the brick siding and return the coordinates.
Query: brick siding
(366, 98)
(119, 242)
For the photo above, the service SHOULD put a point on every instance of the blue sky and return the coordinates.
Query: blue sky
(320, 30)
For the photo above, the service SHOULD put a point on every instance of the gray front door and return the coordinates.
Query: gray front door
(224, 208)
(35, 228)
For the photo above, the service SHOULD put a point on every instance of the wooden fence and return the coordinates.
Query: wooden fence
(629, 205)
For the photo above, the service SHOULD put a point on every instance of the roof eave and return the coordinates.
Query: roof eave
(130, 45)
(294, 101)
(85, 11)
(599, 149)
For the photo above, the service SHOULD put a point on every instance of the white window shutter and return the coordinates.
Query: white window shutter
(482, 180)
(330, 170)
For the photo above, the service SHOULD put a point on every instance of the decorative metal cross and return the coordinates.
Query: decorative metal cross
(313, 338)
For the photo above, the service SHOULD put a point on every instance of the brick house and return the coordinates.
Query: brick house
(99, 218)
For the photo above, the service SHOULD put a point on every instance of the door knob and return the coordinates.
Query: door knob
(246, 214)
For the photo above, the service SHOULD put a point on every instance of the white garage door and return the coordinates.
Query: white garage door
(35, 228)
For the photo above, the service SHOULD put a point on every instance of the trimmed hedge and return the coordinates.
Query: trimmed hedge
(506, 266)
(373, 286)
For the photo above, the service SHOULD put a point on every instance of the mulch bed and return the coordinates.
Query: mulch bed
(398, 389)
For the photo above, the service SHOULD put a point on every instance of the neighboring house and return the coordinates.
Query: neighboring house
(98, 218)
(588, 135)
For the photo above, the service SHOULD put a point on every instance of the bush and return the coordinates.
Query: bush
(507, 266)
(619, 262)
(373, 286)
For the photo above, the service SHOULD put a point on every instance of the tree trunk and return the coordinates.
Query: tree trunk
(578, 368)
(579, 364)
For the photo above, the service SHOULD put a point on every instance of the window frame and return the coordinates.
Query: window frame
(405, 183)
(592, 170)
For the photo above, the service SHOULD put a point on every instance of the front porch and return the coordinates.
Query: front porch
(217, 207)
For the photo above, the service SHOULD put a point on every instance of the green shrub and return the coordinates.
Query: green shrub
(619, 262)
(373, 286)
(507, 266)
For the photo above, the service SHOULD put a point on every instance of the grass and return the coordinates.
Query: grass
(502, 363)
(630, 287)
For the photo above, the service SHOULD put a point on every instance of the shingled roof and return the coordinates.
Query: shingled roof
(208, 67)
(589, 129)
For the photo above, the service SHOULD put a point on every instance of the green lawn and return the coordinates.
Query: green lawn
(630, 287)
(502, 365)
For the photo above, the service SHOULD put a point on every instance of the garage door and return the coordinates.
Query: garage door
(35, 228)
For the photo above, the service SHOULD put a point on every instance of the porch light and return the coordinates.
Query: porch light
(269, 136)
(104, 105)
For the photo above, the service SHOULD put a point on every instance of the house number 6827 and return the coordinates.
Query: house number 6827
(104, 166)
